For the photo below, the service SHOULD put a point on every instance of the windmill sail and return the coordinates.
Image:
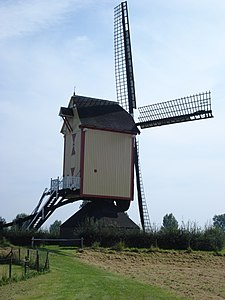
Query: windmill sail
(125, 88)
(123, 59)
(185, 109)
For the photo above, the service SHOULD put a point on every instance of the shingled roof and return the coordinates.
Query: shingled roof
(102, 114)
(102, 212)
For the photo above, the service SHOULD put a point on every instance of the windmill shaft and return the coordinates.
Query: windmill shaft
(144, 215)
(136, 162)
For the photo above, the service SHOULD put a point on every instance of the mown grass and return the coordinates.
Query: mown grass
(71, 279)
(17, 274)
(16, 270)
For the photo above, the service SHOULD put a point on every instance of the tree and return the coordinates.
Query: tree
(219, 221)
(54, 228)
(18, 221)
(2, 220)
(170, 222)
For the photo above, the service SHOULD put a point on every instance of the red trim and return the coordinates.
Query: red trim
(107, 129)
(82, 148)
(132, 170)
(107, 197)
(64, 156)
(82, 157)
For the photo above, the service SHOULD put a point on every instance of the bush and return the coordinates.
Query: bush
(23, 238)
(188, 237)
(212, 239)
(119, 246)
(95, 234)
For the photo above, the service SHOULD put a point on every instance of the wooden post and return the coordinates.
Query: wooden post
(47, 261)
(10, 267)
(26, 265)
(37, 261)
(26, 262)
(82, 242)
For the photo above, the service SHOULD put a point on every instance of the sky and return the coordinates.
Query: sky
(48, 48)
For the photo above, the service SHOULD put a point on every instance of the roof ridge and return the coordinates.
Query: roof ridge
(92, 99)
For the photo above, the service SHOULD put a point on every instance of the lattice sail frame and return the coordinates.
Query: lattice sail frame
(185, 109)
(124, 75)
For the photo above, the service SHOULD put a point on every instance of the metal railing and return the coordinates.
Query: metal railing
(67, 182)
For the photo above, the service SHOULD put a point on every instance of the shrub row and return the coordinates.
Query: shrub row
(209, 239)
(23, 238)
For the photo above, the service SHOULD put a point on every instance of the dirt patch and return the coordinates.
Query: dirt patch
(193, 275)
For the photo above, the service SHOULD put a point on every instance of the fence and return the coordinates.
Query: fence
(62, 241)
(19, 263)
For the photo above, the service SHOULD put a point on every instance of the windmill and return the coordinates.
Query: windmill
(196, 107)
(100, 146)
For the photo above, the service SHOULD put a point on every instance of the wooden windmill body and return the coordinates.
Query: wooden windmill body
(98, 149)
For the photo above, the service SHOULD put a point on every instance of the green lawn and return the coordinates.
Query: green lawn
(71, 279)
(16, 272)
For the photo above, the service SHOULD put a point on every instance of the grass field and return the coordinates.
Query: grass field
(195, 275)
(70, 278)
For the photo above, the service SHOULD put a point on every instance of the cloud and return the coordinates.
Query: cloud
(25, 17)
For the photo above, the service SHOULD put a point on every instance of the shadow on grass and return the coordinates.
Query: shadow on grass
(63, 251)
